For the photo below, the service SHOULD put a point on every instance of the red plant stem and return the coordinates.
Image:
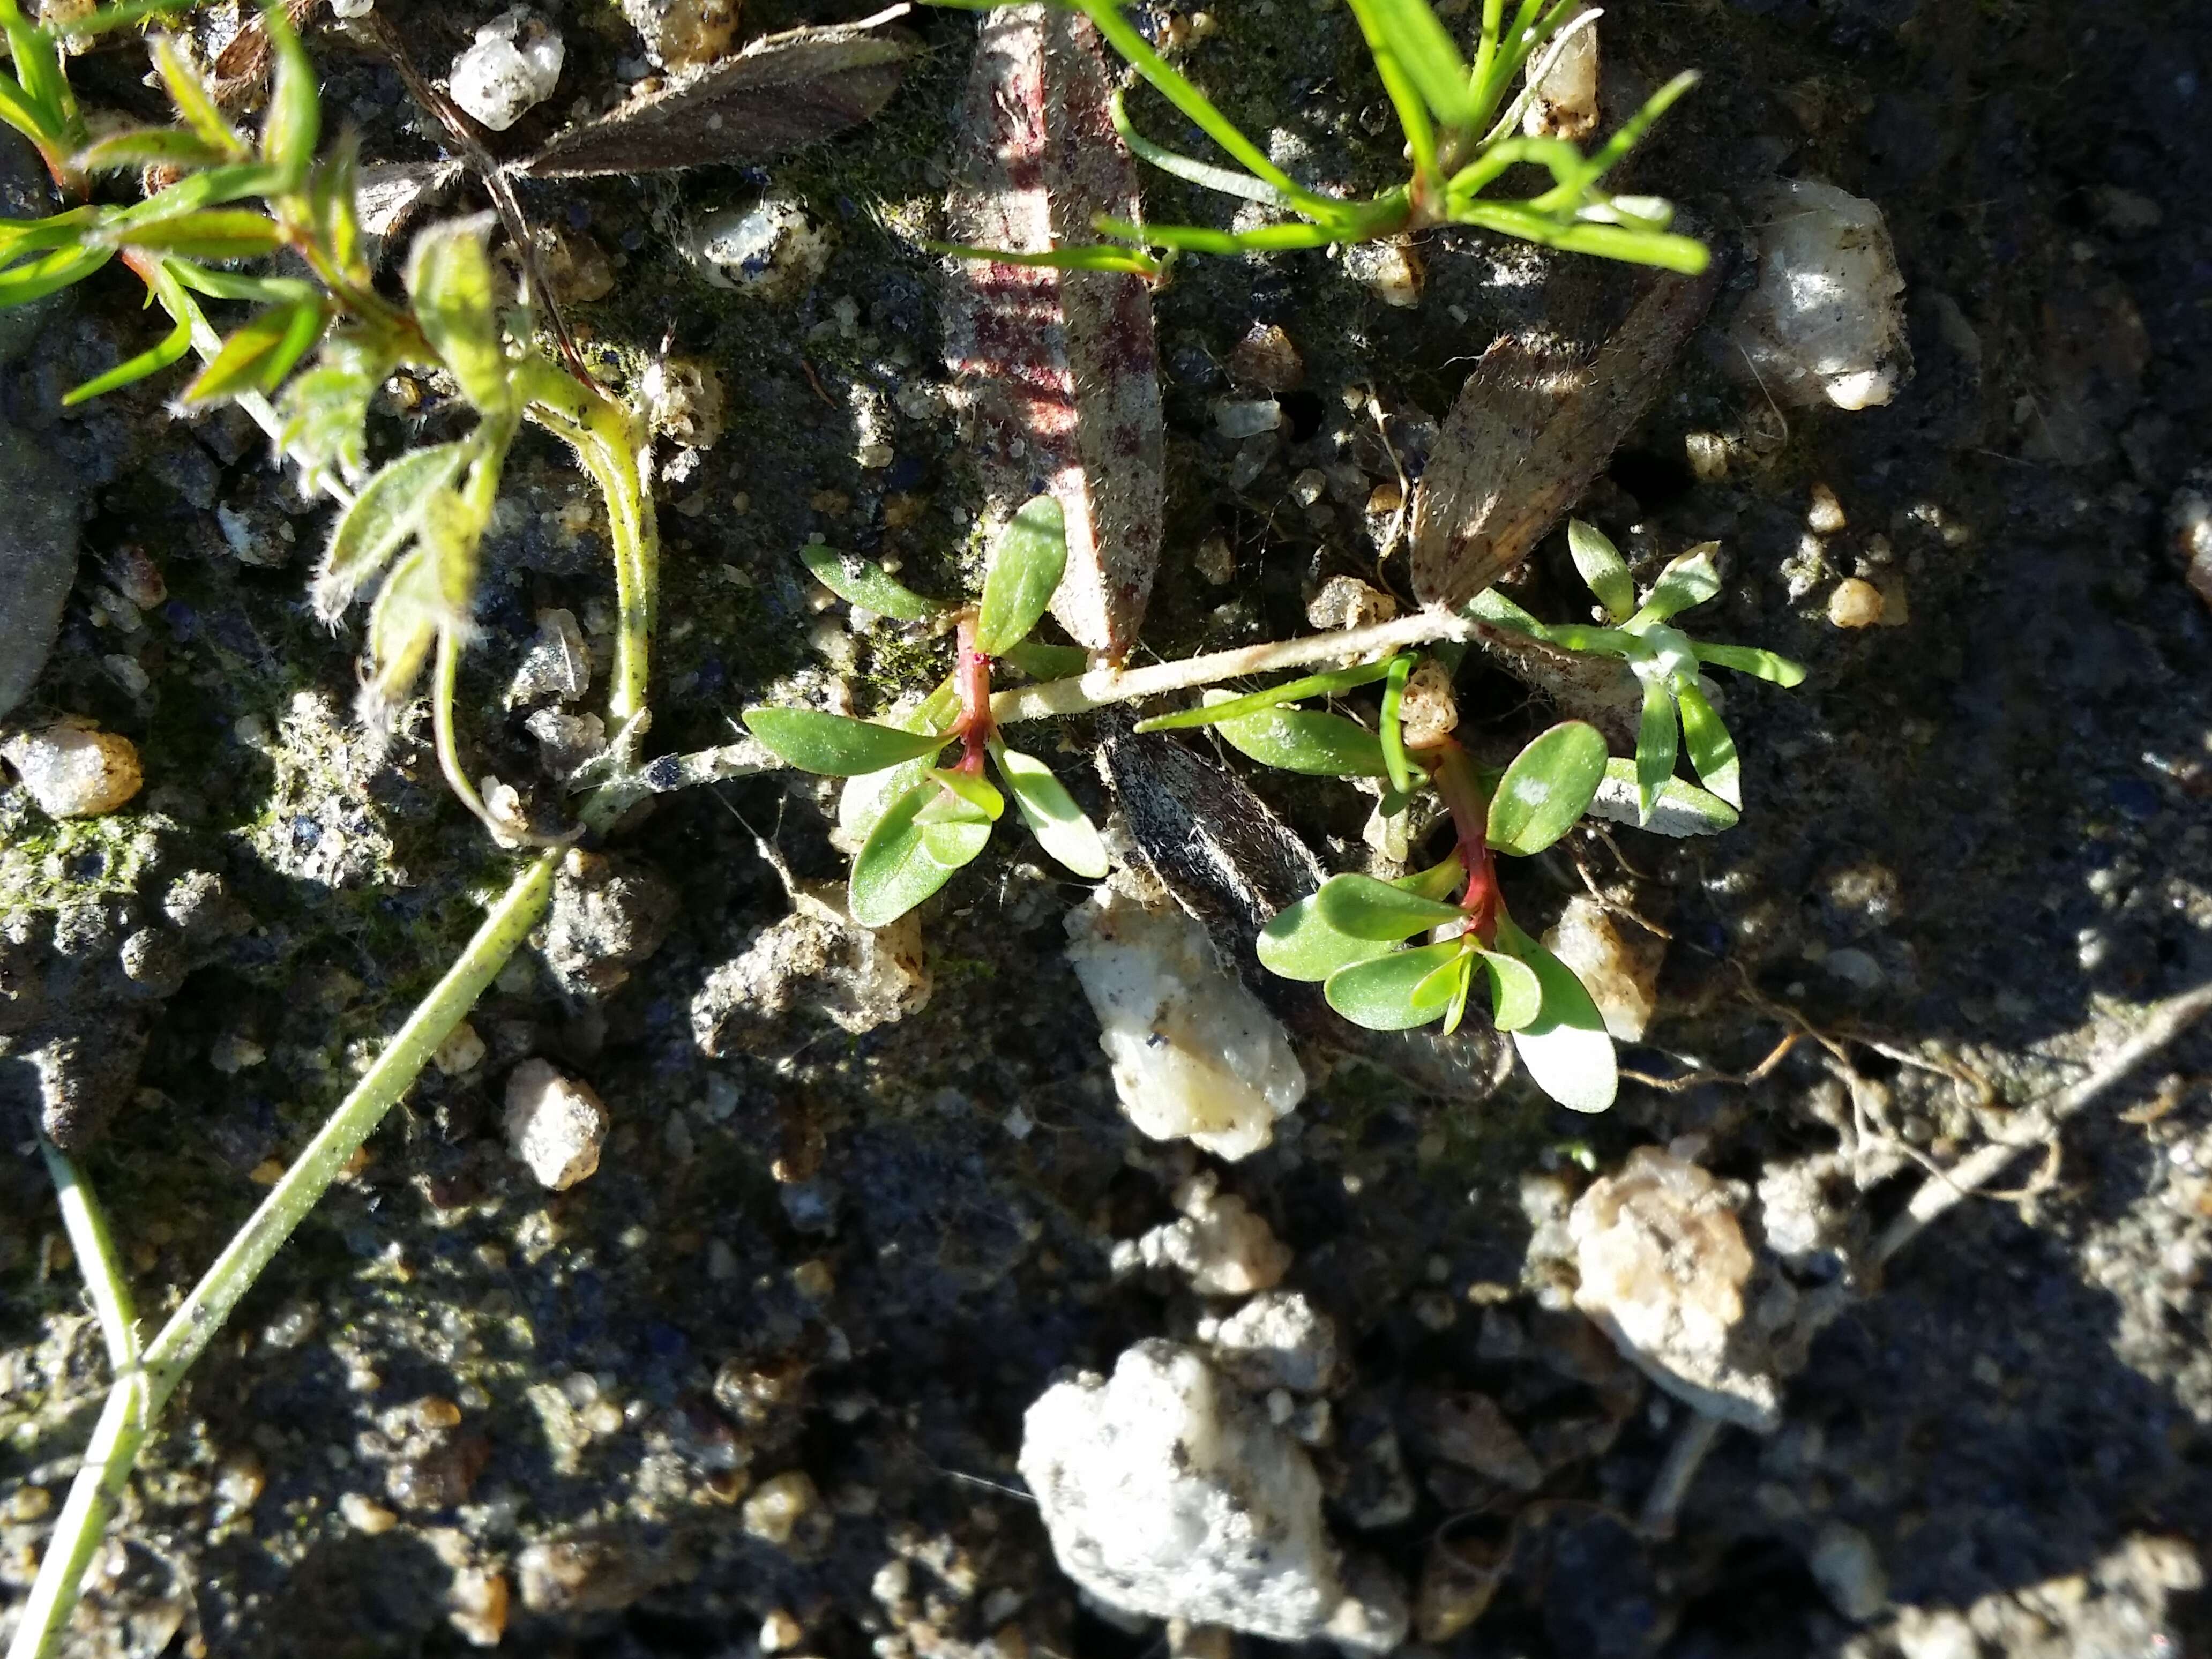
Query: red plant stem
(973, 672)
(1454, 775)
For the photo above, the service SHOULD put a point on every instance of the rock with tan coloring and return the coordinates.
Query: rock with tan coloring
(553, 1124)
(1665, 1267)
(73, 771)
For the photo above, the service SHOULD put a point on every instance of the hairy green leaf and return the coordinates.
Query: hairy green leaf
(334, 198)
(866, 584)
(1546, 789)
(215, 234)
(1604, 572)
(142, 146)
(815, 741)
(384, 517)
(1059, 825)
(259, 354)
(1319, 744)
(1750, 660)
(293, 124)
(194, 100)
(449, 277)
(1025, 567)
(1364, 908)
(33, 279)
(1566, 1048)
(153, 361)
(327, 408)
(1378, 994)
(403, 624)
(893, 871)
(1713, 751)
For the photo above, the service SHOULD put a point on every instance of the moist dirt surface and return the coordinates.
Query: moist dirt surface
(756, 1384)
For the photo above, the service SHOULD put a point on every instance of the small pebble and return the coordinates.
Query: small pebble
(1825, 515)
(512, 66)
(1392, 270)
(74, 772)
(1236, 418)
(553, 1124)
(235, 1054)
(29, 1503)
(477, 1603)
(461, 1053)
(1265, 358)
(365, 1515)
(780, 1631)
(1855, 603)
(777, 1507)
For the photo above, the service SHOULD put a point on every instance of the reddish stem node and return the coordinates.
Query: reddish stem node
(1454, 775)
(973, 676)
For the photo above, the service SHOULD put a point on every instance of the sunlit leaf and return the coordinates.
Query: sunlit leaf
(815, 741)
(1445, 985)
(334, 197)
(1437, 881)
(866, 584)
(952, 842)
(1412, 35)
(1393, 735)
(1310, 741)
(1546, 789)
(174, 345)
(1364, 908)
(141, 146)
(1681, 808)
(292, 126)
(1750, 660)
(1378, 994)
(326, 408)
(384, 517)
(259, 354)
(1604, 572)
(1059, 825)
(1094, 256)
(1713, 751)
(1566, 1048)
(893, 872)
(1298, 943)
(449, 277)
(1689, 581)
(403, 624)
(1515, 994)
(1228, 707)
(967, 791)
(1048, 662)
(216, 234)
(194, 101)
(1025, 567)
(33, 279)
(1654, 742)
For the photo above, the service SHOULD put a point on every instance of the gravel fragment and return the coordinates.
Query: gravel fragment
(512, 68)
(73, 771)
(553, 1124)
(1220, 1244)
(1279, 1340)
(1826, 322)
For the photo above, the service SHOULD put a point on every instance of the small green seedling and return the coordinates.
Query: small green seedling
(1459, 121)
(1352, 935)
(923, 821)
(1665, 661)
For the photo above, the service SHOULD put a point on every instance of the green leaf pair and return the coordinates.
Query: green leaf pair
(920, 823)
(1677, 713)
(1348, 936)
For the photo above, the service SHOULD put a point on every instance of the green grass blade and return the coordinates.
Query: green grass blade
(1416, 36)
(1405, 97)
(1403, 777)
(1750, 660)
(1097, 256)
(1310, 685)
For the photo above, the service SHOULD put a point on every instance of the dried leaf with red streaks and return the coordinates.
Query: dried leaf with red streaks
(1057, 368)
(1529, 433)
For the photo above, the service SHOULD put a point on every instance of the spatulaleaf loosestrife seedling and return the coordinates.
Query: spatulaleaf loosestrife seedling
(1664, 659)
(923, 821)
(1459, 128)
(1352, 935)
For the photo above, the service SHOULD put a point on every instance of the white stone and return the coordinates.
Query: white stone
(769, 251)
(1827, 321)
(1220, 1244)
(1279, 1340)
(1848, 1571)
(1565, 102)
(1167, 1493)
(74, 772)
(1615, 959)
(553, 1124)
(513, 66)
(1664, 1266)
(1194, 1054)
